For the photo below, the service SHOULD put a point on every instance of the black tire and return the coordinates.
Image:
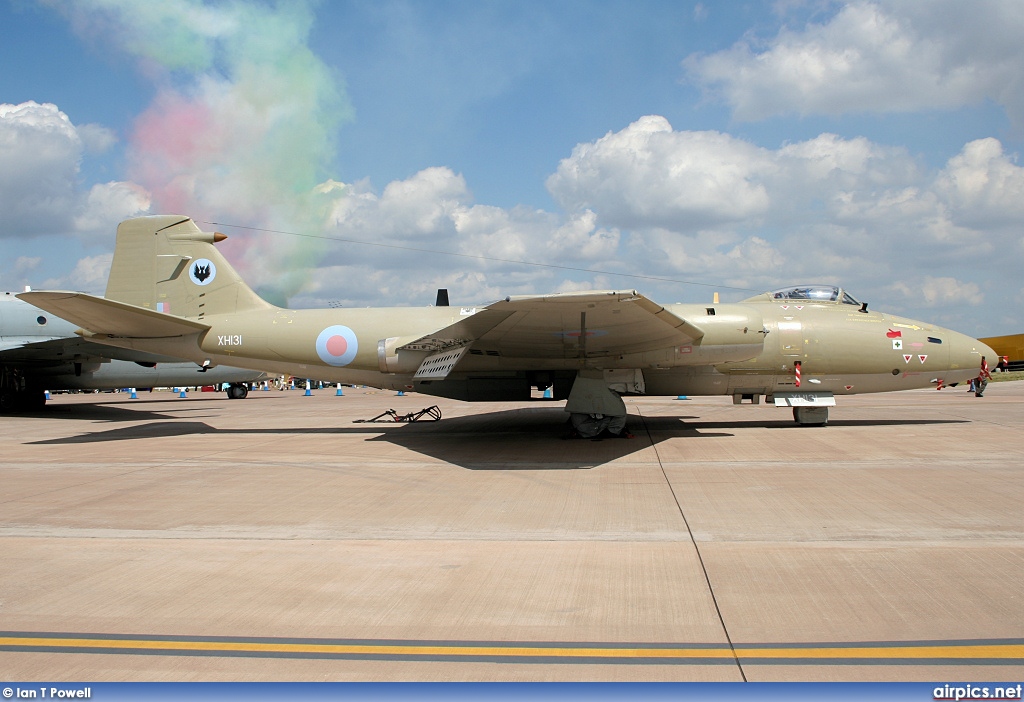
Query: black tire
(8, 401)
(33, 400)
(801, 416)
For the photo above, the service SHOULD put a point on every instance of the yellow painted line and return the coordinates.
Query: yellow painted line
(953, 651)
(369, 649)
(923, 652)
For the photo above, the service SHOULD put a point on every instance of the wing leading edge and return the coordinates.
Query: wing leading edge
(566, 325)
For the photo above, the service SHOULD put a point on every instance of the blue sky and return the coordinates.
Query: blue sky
(744, 146)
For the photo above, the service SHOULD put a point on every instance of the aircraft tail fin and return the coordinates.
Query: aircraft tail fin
(165, 263)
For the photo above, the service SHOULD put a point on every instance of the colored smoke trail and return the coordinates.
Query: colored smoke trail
(241, 126)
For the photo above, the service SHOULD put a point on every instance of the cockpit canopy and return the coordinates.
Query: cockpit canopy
(814, 293)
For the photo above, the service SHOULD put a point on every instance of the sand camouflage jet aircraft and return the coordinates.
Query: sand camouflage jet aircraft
(171, 292)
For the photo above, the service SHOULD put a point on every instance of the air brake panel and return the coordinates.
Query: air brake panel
(437, 366)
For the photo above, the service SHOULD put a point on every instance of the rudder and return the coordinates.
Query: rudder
(167, 264)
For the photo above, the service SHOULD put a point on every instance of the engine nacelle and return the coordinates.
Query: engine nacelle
(393, 359)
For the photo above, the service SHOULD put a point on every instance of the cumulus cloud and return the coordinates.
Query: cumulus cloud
(932, 292)
(983, 186)
(914, 240)
(828, 208)
(649, 174)
(433, 210)
(42, 150)
(877, 56)
(109, 203)
(25, 264)
(89, 275)
(96, 138)
(715, 190)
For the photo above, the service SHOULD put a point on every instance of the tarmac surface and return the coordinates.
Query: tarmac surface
(274, 538)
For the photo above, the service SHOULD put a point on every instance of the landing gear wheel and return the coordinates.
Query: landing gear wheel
(23, 400)
(8, 401)
(33, 400)
(237, 392)
(811, 416)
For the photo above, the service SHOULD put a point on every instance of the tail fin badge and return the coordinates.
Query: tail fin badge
(202, 271)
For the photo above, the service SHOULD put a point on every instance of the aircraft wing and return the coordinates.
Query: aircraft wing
(10, 344)
(102, 316)
(64, 348)
(566, 325)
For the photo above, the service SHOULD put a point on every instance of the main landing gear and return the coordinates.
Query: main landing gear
(237, 391)
(15, 393)
(811, 416)
(22, 400)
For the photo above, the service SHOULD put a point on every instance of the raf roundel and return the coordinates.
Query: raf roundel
(337, 345)
(202, 271)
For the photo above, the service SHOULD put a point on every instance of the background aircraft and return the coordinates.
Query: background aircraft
(39, 352)
(170, 291)
(1010, 348)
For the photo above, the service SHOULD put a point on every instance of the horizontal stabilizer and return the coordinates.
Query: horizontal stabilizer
(98, 315)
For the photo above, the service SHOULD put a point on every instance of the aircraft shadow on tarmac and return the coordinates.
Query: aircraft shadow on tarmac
(517, 439)
(118, 411)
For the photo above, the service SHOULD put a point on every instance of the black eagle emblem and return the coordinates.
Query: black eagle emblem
(201, 273)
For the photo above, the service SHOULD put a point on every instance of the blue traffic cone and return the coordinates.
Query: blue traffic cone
(308, 392)
(682, 397)
(47, 393)
(547, 393)
(339, 393)
(401, 393)
(134, 395)
(183, 393)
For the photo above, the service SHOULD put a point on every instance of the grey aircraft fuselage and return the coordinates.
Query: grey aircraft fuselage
(40, 351)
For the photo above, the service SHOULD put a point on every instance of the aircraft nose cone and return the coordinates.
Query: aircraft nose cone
(965, 354)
